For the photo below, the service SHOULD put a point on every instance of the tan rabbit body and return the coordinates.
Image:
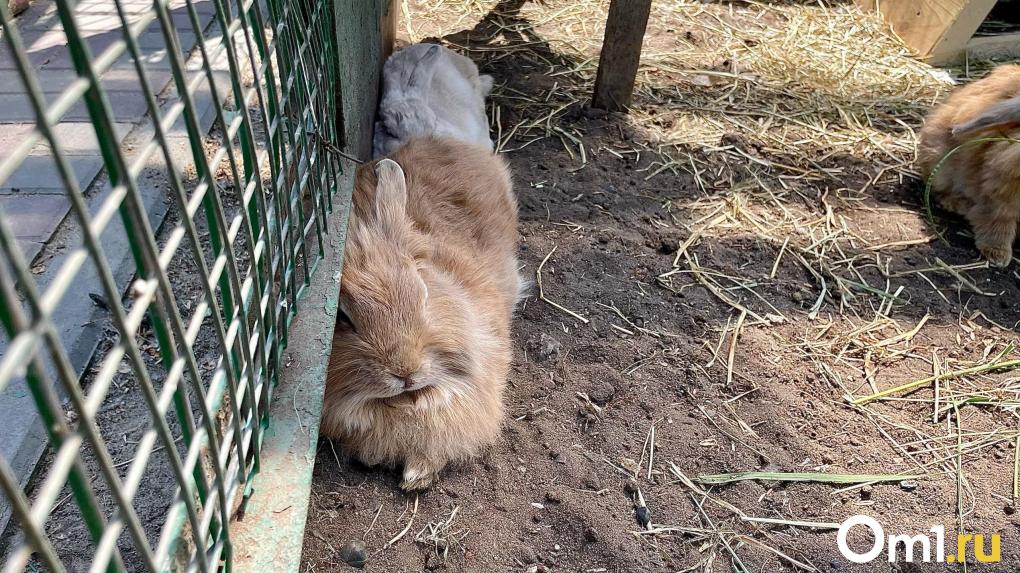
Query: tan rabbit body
(981, 180)
(421, 349)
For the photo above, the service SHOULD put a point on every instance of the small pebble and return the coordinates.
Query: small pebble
(353, 553)
(644, 517)
(601, 393)
(908, 485)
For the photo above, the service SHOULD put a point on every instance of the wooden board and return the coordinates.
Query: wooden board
(938, 30)
(621, 54)
(388, 29)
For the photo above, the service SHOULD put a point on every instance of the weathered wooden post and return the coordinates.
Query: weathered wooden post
(621, 54)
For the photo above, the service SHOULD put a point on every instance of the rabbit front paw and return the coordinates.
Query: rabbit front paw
(998, 255)
(418, 476)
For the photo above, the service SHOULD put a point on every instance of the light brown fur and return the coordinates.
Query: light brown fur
(981, 181)
(429, 284)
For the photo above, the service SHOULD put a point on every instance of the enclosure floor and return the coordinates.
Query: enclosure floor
(721, 337)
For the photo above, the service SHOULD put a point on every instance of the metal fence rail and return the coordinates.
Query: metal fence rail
(250, 200)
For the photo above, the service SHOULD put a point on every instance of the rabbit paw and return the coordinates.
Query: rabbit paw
(418, 476)
(997, 255)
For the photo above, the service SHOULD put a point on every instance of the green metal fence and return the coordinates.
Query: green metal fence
(249, 221)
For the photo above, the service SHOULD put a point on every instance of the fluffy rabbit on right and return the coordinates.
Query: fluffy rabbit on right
(980, 180)
(430, 91)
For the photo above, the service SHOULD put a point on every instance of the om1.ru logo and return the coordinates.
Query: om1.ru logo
(917, 548)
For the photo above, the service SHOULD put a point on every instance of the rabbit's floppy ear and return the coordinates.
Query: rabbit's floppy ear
(390, 192)
(1001, 115)
(424, 68)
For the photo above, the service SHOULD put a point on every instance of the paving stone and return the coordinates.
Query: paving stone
(15, 108)
(30, 249)
(78, 138)
(152, 39)
(127, 106)
(49, 81)
(38, 175)
(34, 217)
(39, 52)
(123, 77)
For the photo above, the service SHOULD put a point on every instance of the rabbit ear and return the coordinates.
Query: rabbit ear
(390, 192)
(424, 68)
(999, 115)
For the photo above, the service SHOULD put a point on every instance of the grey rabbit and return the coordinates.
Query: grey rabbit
(429, 90)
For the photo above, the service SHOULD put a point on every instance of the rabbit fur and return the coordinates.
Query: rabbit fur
(980, 179)
(429, 90)
(421, 349)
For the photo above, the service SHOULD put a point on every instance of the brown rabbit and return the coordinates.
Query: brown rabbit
(980, 181)
(421, 347)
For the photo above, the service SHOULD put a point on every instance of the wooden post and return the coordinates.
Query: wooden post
(388, 33)
(621, 53)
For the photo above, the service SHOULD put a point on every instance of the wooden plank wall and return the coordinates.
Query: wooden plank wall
(938, 30)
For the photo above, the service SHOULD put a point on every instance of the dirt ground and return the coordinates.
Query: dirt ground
(741, 256)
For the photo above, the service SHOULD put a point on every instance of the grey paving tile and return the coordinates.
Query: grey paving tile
(127, 106)
(34, 217)
(38, 175)
(78, 138)
(15, 108)
(49, 80)
(30, 249)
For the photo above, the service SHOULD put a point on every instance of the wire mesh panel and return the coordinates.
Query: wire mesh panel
(152, 450)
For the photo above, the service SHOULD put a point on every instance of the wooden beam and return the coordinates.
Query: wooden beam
(938, 30)
(388, 28)
(621, 54)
